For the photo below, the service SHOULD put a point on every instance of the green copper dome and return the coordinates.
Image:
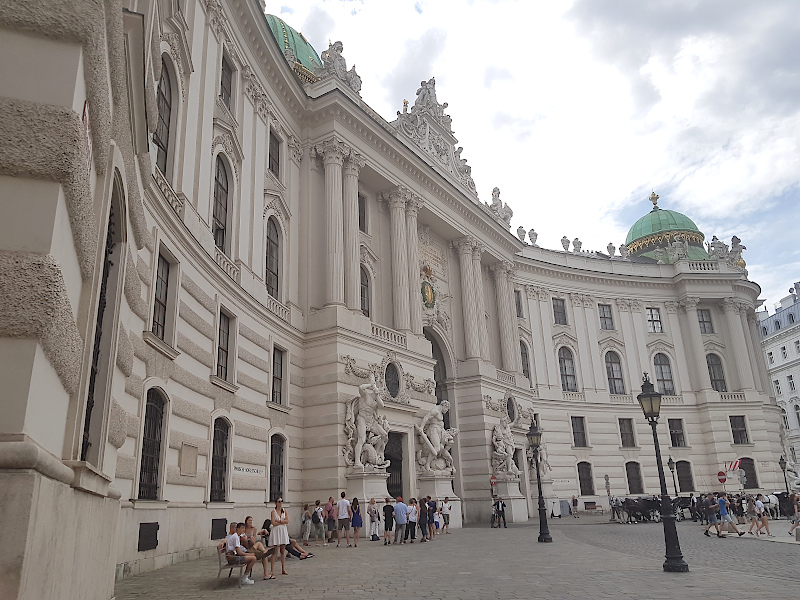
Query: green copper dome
(658, 221)
(289, 39)
(660, 230)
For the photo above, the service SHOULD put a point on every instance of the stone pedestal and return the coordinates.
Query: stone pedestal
(439, 485)
(364, 484)
(516, 504)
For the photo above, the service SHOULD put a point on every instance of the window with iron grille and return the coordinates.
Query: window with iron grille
(160, 300)
(616, 385)
(654, 320)
(790, 381)
(223, 345)
(220, 217)
(748, 465)
(362, 213)
(164, 102)
(676, 436)
(716, 373)
(276, 460)
(365, 292)
(771, 358)
(777, 324)
(226, 82)
(219, 461)
(274, 154)
(579, 432)
(663, 375)
(606, 317)
(797, 347)
(739, 430)
(273, 258)
(277, 375)
(559, 311)
(783, 352)
(777, 385)
(518, 304)
(566, 365)
(585, 479)
(526, 363)
(151, 446)
(704, 319)
(633, 471)
(626, 433)
(685, 479)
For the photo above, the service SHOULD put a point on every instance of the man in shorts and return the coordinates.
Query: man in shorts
(446, 508)
(725, 515)
(710, 512)
(344, 514)
(388, 519)
(330, 519)
(236, 554)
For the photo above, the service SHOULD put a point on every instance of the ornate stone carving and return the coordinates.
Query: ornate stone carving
(576, 245)
(503, 453)
(540, 292)
(565, 243)
(678, 249)
(623, 304)
(428, 386)
(226, 141)
(377, 371)
(671, 306)
(354, 163)
(332, 151)
(334, 65)
(367, 432)
(501, 212)
(735, 260)
(521, 233)
(216, 17)
(611, 248)
(533, 236)
(295, 151)
(491, 404)
(623, 251)
(636, 306)
(689, 303)
(435, 441)
(173, 40)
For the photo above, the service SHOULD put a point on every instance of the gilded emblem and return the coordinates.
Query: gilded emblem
(428, 295)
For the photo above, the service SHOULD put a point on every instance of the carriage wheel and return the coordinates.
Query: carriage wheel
(656, 515)
(679, 515)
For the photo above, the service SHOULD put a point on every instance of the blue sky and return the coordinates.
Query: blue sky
(577, 109)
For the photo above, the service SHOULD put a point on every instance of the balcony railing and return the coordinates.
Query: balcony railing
(621, 399)
(169, 194)
(389, 335)
(506, 377)
(278, 309)
(732, 397)
(703, 265)
(671, 399)
(575, 396)
(227, 264)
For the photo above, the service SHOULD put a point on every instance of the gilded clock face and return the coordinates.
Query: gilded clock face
(428, 295)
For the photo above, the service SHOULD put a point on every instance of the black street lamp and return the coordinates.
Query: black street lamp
(782, 463)
(534, 441)
(671, 465)
(650, 401)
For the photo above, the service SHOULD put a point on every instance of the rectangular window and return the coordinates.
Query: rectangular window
(579, 432)
(783, 352)
(704, 318)
(223, 346)
(739, 430)
(777, 385)
(676, 437)
(362, 213)
(274, 155)
(771, 358)
(797, 347)
(160, 301)
(518, 304)
(559, 311)
(606, 319)
(277, 375)
(626, 433)
(225, 82)
(790, 381)
(654, 320)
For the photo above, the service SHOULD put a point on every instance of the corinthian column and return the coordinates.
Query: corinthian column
(352, 276)
(480, 304)
(471, 339)
(698, 351)
(397, 206)
(743, 367)
(333, 153)
(509, 345)
(414, 294)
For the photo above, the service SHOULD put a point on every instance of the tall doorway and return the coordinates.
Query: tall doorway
(394, 453)
(439, 375)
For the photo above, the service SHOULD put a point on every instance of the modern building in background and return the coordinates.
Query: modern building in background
(209, 242)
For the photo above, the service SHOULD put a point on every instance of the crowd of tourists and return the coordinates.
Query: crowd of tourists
(717, 509)
(336, 519)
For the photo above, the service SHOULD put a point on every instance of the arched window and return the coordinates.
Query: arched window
(161, 135)
(777, 324)
(220, 220)
(785, 418)
(764, 331)
(273, 258)
(526, 363)
(614, 373)
(748, 465)
(566, 365)
(791, 318)
(633, 471)
(685, 479)
(797, 414)
(219, 461)
(663, 375)
(276, 460)
(585, 479)
(151, 446)
(715, 373)
(365, 292)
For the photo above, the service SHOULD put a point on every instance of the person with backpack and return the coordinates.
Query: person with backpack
(318, 524)
(374, 520)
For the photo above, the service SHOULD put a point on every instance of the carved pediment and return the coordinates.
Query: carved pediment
(611, 344)
(661, 346)
(565, 339)
(713, 346)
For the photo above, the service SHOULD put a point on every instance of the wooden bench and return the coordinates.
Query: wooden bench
(593, 506)
(225, 565)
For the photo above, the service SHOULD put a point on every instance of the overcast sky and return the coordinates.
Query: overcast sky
(576, 110)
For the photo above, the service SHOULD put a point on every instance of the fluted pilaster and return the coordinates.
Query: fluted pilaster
(731, 308)
(698, 350)
(471, 339)
(352, 275)
(415, 296)
(480, 303)
(397, 200)
(509, 343)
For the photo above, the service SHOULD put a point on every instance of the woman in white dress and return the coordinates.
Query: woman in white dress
(278, 537)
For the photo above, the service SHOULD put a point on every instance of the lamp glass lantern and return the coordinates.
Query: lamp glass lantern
(534, 436)
(671, 464)
(649, 400)
(781, 462)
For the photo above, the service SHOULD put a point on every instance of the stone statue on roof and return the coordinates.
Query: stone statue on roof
(426, 94)
(334, 64)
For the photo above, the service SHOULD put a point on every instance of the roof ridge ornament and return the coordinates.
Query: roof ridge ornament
(334, 65)
(654, 200)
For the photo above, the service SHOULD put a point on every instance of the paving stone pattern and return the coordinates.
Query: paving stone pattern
(589, 558)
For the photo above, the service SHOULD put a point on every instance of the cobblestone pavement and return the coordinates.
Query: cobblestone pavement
(589, 558)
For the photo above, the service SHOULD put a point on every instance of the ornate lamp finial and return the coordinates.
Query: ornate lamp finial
(654, 199)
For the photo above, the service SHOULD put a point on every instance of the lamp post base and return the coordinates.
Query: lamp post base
(676, 567)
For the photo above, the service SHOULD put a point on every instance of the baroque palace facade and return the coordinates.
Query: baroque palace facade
(227, 278)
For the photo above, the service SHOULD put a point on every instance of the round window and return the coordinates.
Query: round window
(392, 378)
(510, 410)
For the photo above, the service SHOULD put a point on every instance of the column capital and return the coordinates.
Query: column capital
(752, 318)
(503, 269)
(396, 197)
(636, 306)
(623, 304)
(729, 305)
(584, 300)
(540, 292)
(478, 249)
(671, 306)
(463, 245)
(331, 151)
(413, 204)
(689, 303)
(354, 163)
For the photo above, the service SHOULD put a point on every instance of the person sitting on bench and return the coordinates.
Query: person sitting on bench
(236, 554)
(293, 548)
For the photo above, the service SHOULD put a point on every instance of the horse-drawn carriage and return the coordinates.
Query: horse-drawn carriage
(648, 509)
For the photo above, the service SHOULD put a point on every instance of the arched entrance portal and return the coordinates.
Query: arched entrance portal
(439, 374)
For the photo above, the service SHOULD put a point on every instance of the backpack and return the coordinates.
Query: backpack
(315, 517)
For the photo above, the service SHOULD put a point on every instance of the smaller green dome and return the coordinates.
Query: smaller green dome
(658, 221)
(288, 39)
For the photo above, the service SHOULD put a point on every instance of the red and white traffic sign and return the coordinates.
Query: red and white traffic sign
(722, 477)
(493, 481)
